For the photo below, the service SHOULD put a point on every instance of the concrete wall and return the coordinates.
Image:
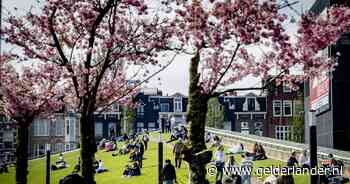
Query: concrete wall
(277, 149)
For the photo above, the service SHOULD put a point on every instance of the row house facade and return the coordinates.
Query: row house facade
(108, 122)
(283, 104)
(153, 109)
(245, 114)
(58, 133)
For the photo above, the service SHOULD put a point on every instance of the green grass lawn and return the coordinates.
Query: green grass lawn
(115, 165)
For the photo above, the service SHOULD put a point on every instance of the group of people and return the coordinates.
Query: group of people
(232, 177)
(179, 132)
(136, 148)
(60, 164)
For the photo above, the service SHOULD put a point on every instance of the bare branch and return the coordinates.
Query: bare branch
(266, 85)
(226, 69)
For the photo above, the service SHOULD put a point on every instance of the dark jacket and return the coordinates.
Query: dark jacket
(169, 172)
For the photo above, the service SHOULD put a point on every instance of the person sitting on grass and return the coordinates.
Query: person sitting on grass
(138, 156)
(235, 149)
(292, 161)
(127, 171)
(60, 164)
(100, 168)
(304, 160)
(136, 169)
(260, 153)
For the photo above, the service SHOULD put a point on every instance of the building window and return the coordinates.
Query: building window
(41, 127)
(151, 125)
(258, 128)
(59, 126)
(68, 127)
(244, 127)
(155, 106)
(98, 129)
(115, 107)
(251, 104)
(277, 108)
(287, 108)
(286, 89)
(140, 110)
(298, 107)
(177, 104)
(111, 116)
(164, 107)
(282, 132)
(232, 106)
(245, 105)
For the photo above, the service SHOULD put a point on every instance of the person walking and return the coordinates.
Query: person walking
(220, 163)
(246, 168)
(145, 140)
(169, 173)
(177, 151)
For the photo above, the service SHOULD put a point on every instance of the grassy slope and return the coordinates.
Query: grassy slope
(115, 166)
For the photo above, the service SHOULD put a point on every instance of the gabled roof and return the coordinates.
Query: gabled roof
(178, 94)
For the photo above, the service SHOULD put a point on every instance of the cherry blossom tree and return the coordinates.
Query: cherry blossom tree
(93, 42)
(25, 96)
(233, 39)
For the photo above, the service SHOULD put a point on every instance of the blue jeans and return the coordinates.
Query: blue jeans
(168, 182)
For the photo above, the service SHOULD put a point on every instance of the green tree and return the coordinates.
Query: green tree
(216, 114)
(298, 128)
(128, 119)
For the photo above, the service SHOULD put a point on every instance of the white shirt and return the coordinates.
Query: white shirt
(220, 156)
(303, 160)
(272, 179)
(100, 165)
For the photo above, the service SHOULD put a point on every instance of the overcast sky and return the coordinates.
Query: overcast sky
(175, 77)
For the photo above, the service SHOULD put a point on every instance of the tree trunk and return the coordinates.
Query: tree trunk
(22, 155)
(88, 143)
(198, 107)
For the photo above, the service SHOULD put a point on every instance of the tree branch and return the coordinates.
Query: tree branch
(266, 85)
(226, 70)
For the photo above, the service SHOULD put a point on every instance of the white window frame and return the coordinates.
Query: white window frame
(285, 103)
(280, 106)
(245, 128)
(283, 131)
(166, 104)
(140, 110)
(177, 104)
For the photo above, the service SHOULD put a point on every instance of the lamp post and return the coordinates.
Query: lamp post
(160, 158)
(313, 145)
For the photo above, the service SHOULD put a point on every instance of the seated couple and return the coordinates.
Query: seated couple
(132, 170)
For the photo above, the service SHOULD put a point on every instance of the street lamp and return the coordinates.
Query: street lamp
(313, 145)
(160, 158)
